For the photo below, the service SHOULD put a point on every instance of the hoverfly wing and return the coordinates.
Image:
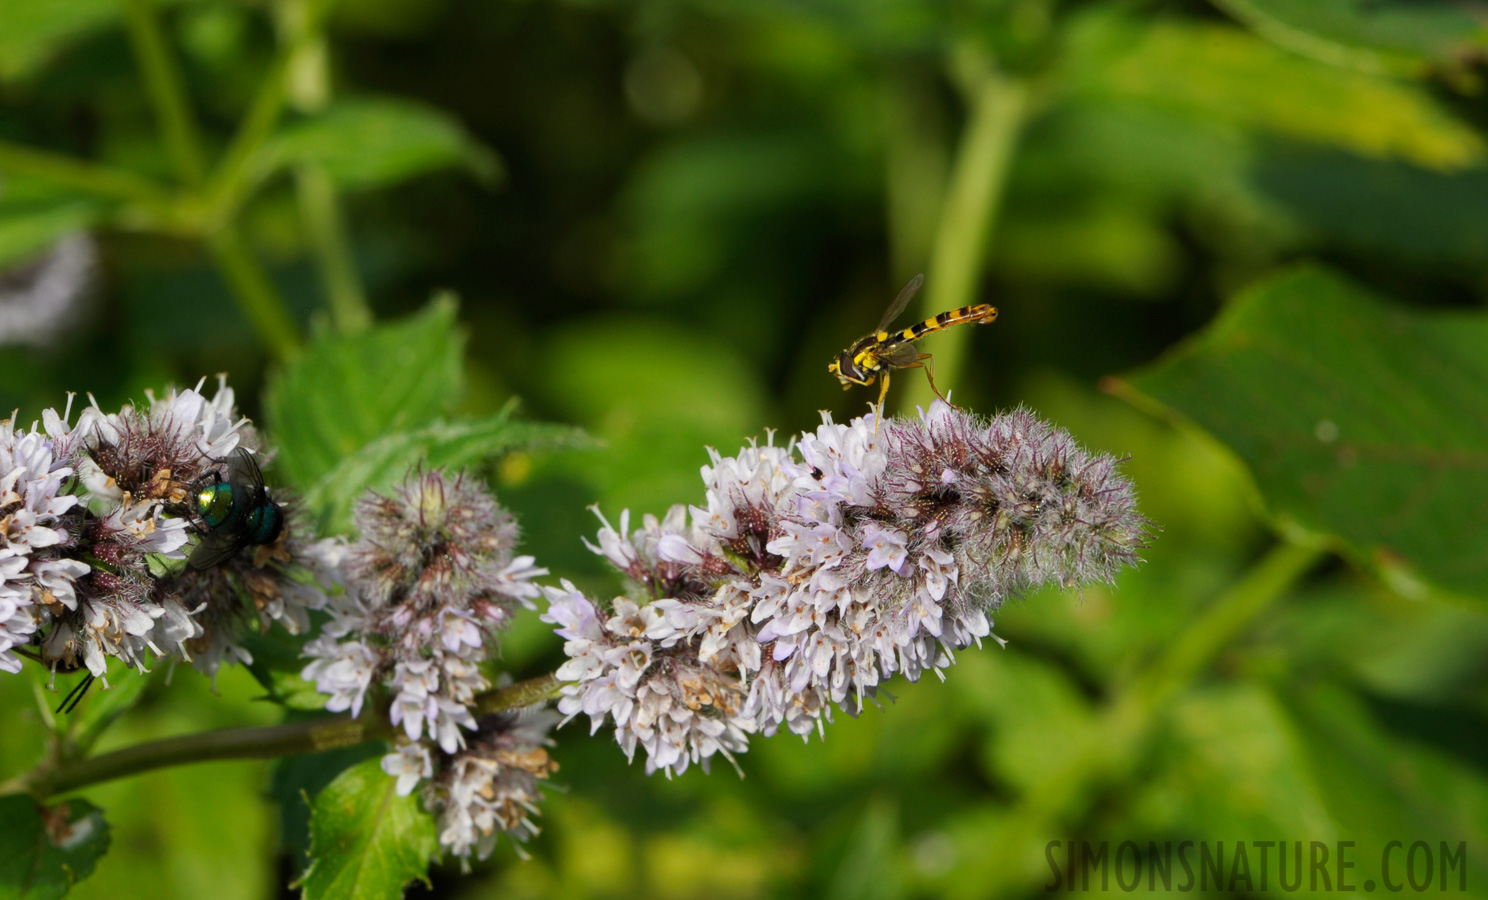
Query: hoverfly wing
(906, 294)
(898, 355)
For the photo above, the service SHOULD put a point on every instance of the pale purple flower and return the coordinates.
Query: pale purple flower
(410, 764)
(820, 569)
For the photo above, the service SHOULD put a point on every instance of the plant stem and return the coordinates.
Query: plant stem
(308, 87)
(1116, 741)
(320, 208)
(256, 294)
(234, 177)
(917, 166)
(269, 742)
(167, 92)
(998, 106)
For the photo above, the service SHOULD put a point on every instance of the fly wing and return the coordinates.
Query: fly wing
(216, 547)
(899, 355)
(243, 463)
(906, 294)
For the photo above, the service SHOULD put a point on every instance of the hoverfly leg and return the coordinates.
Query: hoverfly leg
(927, 362)
(883, 391)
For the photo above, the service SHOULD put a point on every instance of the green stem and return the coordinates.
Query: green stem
(320, 207)
(1117, 740)
(255, 293)
(917, 164)
(167, 92)
(308, 86)
(289, 739)
(997, 108)
(88, 177)
(234, 177)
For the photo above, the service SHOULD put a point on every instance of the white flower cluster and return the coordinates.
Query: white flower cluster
(33, 505)
(423, 590)
(87, 505)
(820, 569)
(489, 789)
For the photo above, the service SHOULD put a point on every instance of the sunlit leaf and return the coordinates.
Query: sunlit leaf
(298, 778)
(1224, 74)
(32, 30)
(375, 142)
(45, 850)
(346, 391)
(366, 841)
(453, 445)
(1402, 36)
(1358, 418)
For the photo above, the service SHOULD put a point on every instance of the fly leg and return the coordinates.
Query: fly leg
(926, 362)
(883, 391)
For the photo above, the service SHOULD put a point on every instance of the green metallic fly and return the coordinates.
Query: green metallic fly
(232, 513)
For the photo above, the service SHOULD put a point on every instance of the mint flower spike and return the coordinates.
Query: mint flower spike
(424, 590)
(817, 570)
(94, 543)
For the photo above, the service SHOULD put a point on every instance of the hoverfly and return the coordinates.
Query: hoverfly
(232, 513)
(879, 352)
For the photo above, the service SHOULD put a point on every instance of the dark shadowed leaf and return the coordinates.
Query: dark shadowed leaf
(277, 663)
(45, 850)
(1358, 418)
(366, 842)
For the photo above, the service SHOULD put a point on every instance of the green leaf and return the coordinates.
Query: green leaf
(375, 142)
(33, 217)
(1224, 74)
(44, 851)
(298, 778)
(453, 445)
(1379, 786)
(277, 663)
(32, 30)
(1405, 37)
(1357, 418)
(1375, 207)
(1230, 764)
(345, 391)
(366, 842)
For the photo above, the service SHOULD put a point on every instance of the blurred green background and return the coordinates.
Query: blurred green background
(662, 218)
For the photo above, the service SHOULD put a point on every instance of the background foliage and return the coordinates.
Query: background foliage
(1260, 225)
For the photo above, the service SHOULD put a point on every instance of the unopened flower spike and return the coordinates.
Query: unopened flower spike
(430, 580)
